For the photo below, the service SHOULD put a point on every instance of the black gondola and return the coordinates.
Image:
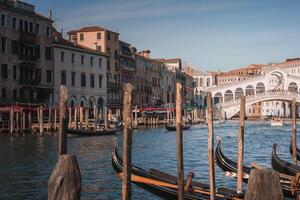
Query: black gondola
(298, 152)
(173, 127)
(165, 185)
(91, 132)
(230, 169)
(282, 166)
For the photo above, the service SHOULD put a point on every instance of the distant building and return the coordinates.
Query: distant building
(127, 63)
(83, 71)
(26, 59)
(105, 41)
(167, 86)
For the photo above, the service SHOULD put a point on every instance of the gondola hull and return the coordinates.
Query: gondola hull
(230, 168)
(158, 181)
(173, 128)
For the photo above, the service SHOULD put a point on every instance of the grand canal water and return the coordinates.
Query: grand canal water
(27, 162)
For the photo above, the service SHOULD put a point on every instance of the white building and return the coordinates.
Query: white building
(82, 71)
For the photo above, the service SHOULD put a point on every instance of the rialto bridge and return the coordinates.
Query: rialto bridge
(272, 85)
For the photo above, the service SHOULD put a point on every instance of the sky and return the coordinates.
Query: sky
(209, 35)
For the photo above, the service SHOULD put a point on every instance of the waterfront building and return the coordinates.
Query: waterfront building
(83, 70)
(167, 86)
(105, 41)
(26, 59)
(127, 64)
(148, 92)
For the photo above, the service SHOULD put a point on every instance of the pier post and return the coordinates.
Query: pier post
(135, 116)
(29, 121)
(70, 118)
(62, 137)
(23, 121)
(127, 142)
(294, 136)
(239, 184)
(76, 118)
(105, 118)
(95, 117)
(179, 142)
(11, 120)
(80, 116)
(87, 118)
(18, 122)
(49, 118)
(41, 125)
(55, 119)
(210, 127)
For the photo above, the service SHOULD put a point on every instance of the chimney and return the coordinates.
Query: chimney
(50, 14)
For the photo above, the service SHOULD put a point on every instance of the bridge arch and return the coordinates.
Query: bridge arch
(293, 87)
(249, 90)
(260, 88)
(238, 93)
(228, 95)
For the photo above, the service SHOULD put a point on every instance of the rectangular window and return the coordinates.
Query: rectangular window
(73, 77)
(108, 49)
(108, 65)
(98, 36)
(48, 31)
(26, 25)
(73, 58)
(3, 20)
(14, 47)
(83, 80)
(14, 23)
(3, 44)
(37, 51)
(81, 36)
(92, 80)
(49, 76)
(21, 26)
(115, 38)
(48, 53)
(108, 36)
(31, 27)
(15, 93)
(3, 93)
(63, 77)
(37, 28)
(100, 81)
(4, 71)
(15, 72)
(99, 48)
(62, 56)
(100, 62)
(91, 61)
(82, 59)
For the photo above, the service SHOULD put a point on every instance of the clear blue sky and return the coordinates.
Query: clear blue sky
(211, 35)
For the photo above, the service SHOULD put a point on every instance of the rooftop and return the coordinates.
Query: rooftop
(90, 29)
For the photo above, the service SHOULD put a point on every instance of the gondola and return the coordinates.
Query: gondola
(173, 127)
(79, 132)
(298, 152)
(282, 166)
(230, 169)
(165, 185)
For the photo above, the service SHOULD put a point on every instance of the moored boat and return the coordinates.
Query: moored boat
(230, 169)
(283, 166)
(165, 185)
(276, 122)
(173, 127)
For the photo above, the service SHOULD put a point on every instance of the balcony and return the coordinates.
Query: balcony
(28, 37)
(27, 58)
(114, 102)
(29, 82)
(113, 86)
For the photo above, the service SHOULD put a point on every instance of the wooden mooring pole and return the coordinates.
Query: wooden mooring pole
(210, 127)
(62, 137)
(127, 142)
(294, 136)
(239, 184)
(179, 142)
(11, 120)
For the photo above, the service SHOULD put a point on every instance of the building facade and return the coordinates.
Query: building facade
(167, 86)
(26, 58)
(83, 71)
(105, 41)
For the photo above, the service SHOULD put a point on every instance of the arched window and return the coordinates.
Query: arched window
(228, 95)
(260, 88)
(208, 82)
(238, 93)
(249, 90)
(293, 87)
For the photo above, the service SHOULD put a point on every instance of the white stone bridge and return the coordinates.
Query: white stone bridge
(273, 84)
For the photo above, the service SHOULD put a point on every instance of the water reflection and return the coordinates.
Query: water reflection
(27, 162)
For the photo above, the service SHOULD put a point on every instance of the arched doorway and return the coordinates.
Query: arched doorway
(260, 88)
(82, 101)
(249, 90)
(100, 103)
(228, 95)
(238, 93)
(293, 87)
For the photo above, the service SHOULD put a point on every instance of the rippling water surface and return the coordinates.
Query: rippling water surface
(27, 162)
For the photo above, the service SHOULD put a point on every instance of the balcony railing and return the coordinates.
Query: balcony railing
(113, 86)
(30, 82)
(28, 37)
(114, 102)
